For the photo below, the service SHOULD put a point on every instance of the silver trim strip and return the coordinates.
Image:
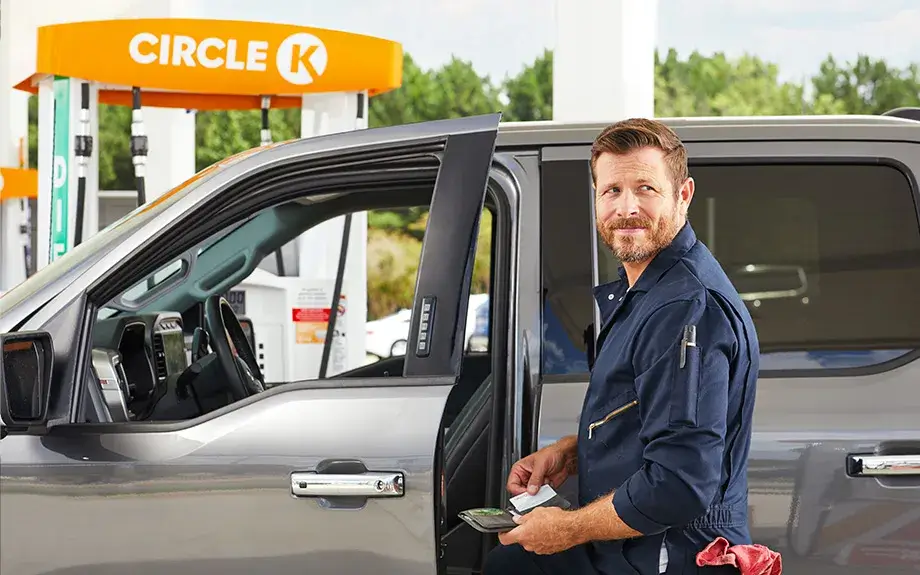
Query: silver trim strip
(310, 484)
(886, 465)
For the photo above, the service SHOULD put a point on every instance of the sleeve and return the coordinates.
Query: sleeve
(683, 411)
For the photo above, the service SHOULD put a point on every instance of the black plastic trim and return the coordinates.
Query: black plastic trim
(46, 367)
(448, 253)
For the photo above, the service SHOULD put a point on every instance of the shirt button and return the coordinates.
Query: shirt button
(610, 297)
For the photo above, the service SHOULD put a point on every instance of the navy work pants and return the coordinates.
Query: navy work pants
(515, 560)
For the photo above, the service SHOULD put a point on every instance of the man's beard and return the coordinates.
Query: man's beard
(630, 249)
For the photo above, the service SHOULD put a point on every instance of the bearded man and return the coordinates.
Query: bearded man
(664, 434)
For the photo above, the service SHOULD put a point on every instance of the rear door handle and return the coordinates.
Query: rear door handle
(883, 465)
(367, 484)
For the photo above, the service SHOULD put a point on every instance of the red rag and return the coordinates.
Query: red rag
(749, 559)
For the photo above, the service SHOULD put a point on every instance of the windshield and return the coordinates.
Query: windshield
(109, 236)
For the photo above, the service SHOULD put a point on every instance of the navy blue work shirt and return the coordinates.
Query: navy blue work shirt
(670, 440)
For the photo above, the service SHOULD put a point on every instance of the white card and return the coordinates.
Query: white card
(526, 501)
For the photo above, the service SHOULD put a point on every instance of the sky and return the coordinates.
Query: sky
(500, 37)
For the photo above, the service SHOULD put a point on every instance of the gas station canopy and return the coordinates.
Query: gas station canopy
(214, 64)
(18, 183)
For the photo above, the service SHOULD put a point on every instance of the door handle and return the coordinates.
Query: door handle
(883, 465)
(368, 484)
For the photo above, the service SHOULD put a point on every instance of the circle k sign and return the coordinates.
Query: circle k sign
(219, 57)
(302, 58)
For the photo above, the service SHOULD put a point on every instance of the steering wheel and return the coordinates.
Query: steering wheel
(234, 354)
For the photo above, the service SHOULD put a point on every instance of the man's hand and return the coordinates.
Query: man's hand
(553, 464)
(544, 531)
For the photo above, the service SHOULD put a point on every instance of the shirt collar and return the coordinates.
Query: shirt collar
(662, 262)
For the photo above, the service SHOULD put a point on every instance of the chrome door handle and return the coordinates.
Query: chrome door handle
(884, 465)
(368, 484)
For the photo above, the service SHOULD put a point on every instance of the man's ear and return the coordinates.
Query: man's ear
(685, 194)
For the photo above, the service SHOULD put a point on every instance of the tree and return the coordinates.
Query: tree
(530, 93)
(453, 91)
(116, 171)
(219, 134)
(408, 103)
(717, 86)
(865, 87)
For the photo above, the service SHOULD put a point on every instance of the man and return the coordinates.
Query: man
(664, 433)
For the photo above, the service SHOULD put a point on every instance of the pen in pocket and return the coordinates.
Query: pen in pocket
(687, 340)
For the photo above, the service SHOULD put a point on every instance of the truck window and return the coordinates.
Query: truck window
(567, 233)
(827, 258)
(393, 249)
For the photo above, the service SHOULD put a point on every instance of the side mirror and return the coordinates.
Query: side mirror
(25, 378)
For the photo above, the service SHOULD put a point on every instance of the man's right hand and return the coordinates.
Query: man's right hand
(553, 465)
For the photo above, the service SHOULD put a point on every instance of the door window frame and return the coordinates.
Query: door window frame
(776, 152)
(465, 140)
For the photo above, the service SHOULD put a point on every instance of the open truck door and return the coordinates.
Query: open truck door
(337, 475)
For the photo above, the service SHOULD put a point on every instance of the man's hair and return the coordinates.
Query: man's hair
(629, 135)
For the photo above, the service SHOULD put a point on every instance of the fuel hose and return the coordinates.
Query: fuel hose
(266, 139)
(138, 146)
(336, 296)
(83, 149)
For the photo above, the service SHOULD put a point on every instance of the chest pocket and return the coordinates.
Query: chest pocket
(619, 417)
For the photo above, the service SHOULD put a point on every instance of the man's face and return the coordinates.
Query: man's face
(638, 212)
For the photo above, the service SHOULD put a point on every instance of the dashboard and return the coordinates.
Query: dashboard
(134, 357)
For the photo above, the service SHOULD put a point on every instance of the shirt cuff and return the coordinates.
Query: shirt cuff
(630, 514)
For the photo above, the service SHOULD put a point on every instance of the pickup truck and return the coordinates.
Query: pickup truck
(140, 435)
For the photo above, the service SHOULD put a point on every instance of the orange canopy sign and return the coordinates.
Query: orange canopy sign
(233, 62)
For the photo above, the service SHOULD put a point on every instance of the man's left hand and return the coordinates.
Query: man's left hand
(544, 531)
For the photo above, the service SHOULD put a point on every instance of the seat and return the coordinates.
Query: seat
(466, 450)
(476, 368)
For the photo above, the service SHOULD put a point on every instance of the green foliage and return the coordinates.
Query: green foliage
(224, 133)
(866, 87)
(695, 86)
(530, 93)
(116, 172)
(393, 258)
(392, 267)
(716, 86)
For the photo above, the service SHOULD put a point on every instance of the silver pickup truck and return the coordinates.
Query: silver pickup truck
(127, 449)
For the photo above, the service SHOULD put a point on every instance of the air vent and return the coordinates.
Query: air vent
(159, 357)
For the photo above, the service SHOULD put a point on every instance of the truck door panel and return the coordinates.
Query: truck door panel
(217, 497)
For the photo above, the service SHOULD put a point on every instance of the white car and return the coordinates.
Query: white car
(387, 336)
